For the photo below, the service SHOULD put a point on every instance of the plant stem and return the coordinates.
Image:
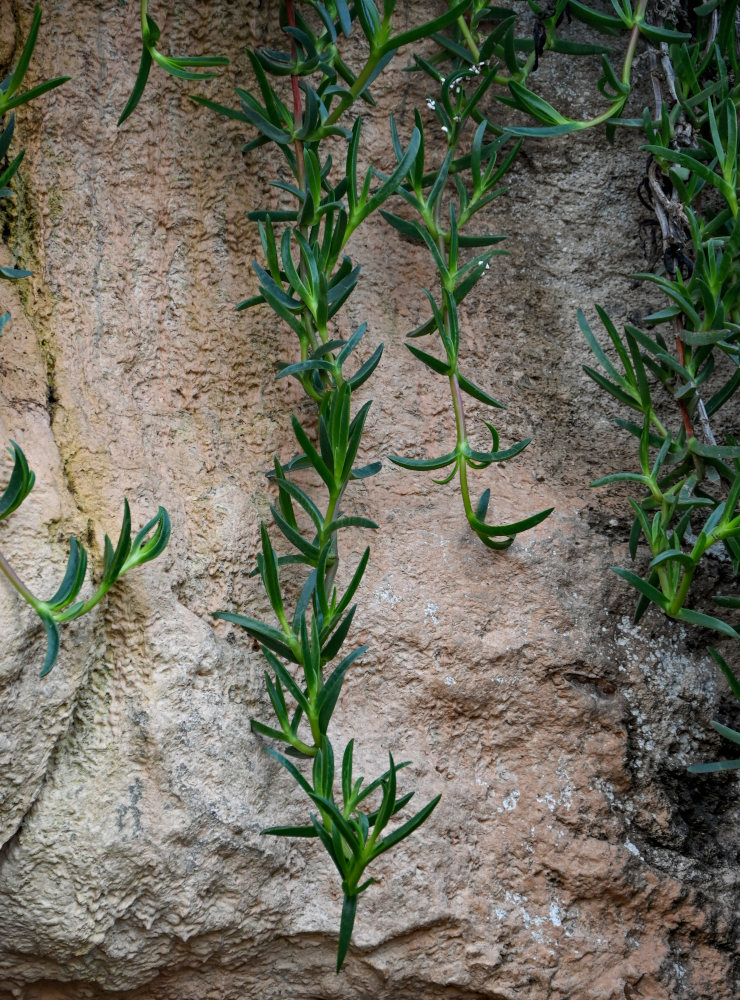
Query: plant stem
(459, 408)
(308, 319)
(462, 466)
(354, 90)
(457, 400)
(682, 593)
(468, 36)
(16, 582)
(634, 35)
(681, 360)
(297, 107)
(300, 160)
(97, 597)
(331, 572)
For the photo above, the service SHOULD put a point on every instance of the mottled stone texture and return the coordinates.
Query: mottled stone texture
(571, 856)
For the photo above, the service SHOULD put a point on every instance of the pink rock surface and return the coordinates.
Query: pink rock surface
(571, 857)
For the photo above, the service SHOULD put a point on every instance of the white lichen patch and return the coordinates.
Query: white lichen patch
(517, 906)
(660, 668)
(632, 849)
(430, 613)
(509, 803)
(384, 595)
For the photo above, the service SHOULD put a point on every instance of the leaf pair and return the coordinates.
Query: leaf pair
(9, 96)
(363, 202)
(180, 67)
(287, 641)
(630, 386)
(339, 440)
(313, 550)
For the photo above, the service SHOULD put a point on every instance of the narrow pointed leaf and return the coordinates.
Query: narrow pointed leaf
(424, 463)
(403, 831)
(349, 909)
(52, 636)
(652, 593)
(266, 634)
(476, 392)
(73, 577)
(706, 621)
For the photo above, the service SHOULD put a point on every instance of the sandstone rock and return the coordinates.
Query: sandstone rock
(571, 856)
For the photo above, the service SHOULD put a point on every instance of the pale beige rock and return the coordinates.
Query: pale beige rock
(571, 856)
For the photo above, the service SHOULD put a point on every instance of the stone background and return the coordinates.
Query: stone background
(571, 856)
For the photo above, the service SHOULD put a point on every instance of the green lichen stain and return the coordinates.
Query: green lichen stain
(24, 229)
(24, 238)
(55, 204)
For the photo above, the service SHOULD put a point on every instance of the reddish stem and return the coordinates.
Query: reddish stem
(297, 107)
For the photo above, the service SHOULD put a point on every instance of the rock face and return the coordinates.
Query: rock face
(571, 856)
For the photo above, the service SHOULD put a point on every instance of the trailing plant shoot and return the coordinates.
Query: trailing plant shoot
(691, 185)
(62, 607)
(475, 176)
(306, 279)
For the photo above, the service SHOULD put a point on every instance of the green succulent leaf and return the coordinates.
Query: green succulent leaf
(329, 694)
(73, 578)
(114, 559)
(427, 29)
(437, 365)
(476, 392)
(508, 530)
(424, 463)
(729, 734)
(647, 589)
(20, 484)
(14, 272)
(403, 831)
(145, 65)
(266, 634)
(714, 767)
(52, 635)
(289, 831)
(659, 34)
(706, 621)
(349, 910)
